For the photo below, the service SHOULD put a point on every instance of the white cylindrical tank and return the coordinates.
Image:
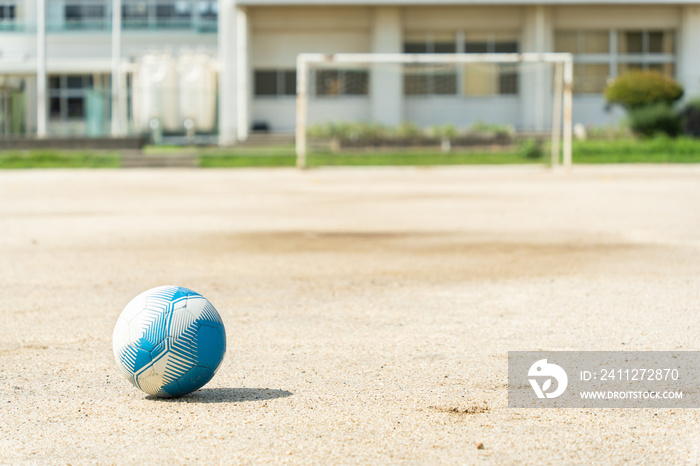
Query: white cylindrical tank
(197, 91)
(155, 93)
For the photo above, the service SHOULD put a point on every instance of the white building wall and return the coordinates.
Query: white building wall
(453, 18)
(462, 112)
(617, 16)
(280, 34)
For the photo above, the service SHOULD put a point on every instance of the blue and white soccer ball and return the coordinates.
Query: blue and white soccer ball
(169, 341)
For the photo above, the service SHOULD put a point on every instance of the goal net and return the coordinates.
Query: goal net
(435, 103)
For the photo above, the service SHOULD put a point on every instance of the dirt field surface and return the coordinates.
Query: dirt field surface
(369, 312)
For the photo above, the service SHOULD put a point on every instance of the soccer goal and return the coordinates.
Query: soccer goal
(449, 103)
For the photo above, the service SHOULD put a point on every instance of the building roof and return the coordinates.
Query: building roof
(461, 2)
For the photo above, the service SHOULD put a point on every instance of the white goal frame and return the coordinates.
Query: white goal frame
(563, 84)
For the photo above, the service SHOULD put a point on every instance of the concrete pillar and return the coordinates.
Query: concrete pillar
(243, 77)
(30, 106)
(116, 67)
(535, 78)
(387, 80)
(689, 56)
(227, 72)
(41, 100)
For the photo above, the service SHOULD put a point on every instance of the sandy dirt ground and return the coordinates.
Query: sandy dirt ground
(369, 312)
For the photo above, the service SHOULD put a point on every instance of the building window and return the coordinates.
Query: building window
(340, 82)
(603, 54)
(430, 79)
(269, 83)
(169, 14)
(67, 96)
(85, 14)
(8, 12)
(208, 11)
(484, 79)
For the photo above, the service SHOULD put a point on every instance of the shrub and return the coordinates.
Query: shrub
(654, 119)
(530, 149)
(638, 89)
(408, 131)
(691, 118)
(479, 127)
(447, 131)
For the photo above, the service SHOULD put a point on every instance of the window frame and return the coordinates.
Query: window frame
(493, 39)
(429, 43)
(281, 75)
(614, 59)
(342, 79)
(9, 11)
(85, 20)
(64, 93)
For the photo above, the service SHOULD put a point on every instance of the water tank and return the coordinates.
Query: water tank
(155, 92)
(197, 91)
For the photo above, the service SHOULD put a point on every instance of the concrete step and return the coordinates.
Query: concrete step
(159, 161)
(268, 139)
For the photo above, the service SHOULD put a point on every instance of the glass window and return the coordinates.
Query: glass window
(668, 69)
(591, 78)
(265, 83)
(356, 83)
(275, 82)
(445, 83)
(74, 82)
(636, 50)
(76, 107)
(55, 107)
(444, 47)
(631, 42)
(415, 83)
(7, 11)
(566, 42)
(583, 42)
(170, 14)
(135, 14)
(413, 47)
(505, 47)
(508, 79)
(290, 82)
(480, 79)
(596, 42)
(327, 82)
(208, 9)
(85, 15)
(67, 96)
(476, 47)
(341, 82)
(626, 67)
(486, 79)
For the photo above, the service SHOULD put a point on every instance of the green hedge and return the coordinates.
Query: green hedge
(659, 149)
(56, 159)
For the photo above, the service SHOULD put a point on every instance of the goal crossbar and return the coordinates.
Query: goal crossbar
(563, 98)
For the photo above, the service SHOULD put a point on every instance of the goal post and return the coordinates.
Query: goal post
(562, 101)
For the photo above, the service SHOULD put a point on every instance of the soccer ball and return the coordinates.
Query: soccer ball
(169, 341)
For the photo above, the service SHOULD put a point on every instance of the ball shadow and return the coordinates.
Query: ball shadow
(226, 395)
